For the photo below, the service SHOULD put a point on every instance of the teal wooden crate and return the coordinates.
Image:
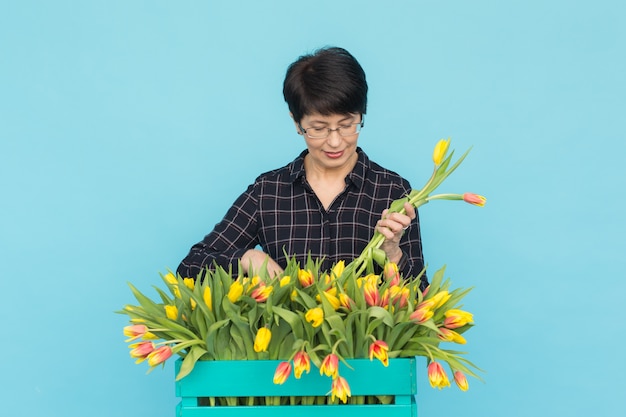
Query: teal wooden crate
(254, 379)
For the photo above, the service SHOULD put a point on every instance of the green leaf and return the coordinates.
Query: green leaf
(189, 361)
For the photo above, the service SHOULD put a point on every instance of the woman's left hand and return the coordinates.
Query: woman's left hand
(392, 227)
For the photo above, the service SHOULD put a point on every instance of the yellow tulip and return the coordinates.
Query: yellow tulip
(315, 316)
(440, 298)
(262, 339)
(340, 389)
(206, 296)
(286, 280)
(457, 318)
(171, 312)
(235, 291)
(338, 269)
(440, 151)
(189, 283)
(171, 279)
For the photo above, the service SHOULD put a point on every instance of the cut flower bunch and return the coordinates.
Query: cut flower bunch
(306, 317)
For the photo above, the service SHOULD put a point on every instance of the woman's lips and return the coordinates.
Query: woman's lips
(334, 155)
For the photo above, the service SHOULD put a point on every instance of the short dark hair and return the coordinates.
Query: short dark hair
(328, 81)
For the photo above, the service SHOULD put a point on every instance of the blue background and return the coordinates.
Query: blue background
(127, 128)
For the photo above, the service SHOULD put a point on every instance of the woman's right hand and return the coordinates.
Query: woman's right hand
(253, 260)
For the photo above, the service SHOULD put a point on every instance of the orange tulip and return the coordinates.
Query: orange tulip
(135, 331)
(330, 366)
(437, 376)
(461, 381)
(282, 373)
(301, 363)
(421, 315)
(475, 199)
(391, 273)
(141, 350)
(379, 350)
(159, 355)
(262, 292)
(451, 336)
(340, 389)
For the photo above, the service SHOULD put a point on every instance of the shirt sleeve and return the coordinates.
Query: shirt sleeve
(229, 240)
(412, 262)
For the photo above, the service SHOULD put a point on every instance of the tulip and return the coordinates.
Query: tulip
(370, 290)
(421, 315)
(461, 381)
(193, 304)
(189, 283)
(330, 366)
(475, 199)
(305, 277)
(315, 316)
(208, 300)
(391, 273)
(262, 339)
(338, 269)
(282, 373)
(451, 336)
(135, 331)
(437, 376)
(440, 298)
(399, 295)
(286, 280)
(332, 299)
(301, 363)
(235, 291)
(141, 350)
(340, 389)
(379, 350)
(159, 355)
(440, 151)
(262, 292)
(457, 318)
(171, 278)
(346, 301)
(171, 312)
(150, 336)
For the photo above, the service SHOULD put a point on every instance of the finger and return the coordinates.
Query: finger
(410, 210)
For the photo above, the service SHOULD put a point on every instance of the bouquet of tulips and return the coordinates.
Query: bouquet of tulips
(306, 316)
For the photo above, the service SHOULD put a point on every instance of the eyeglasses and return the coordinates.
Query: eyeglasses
(324, 132)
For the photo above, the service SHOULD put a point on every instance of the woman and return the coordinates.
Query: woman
(328, 202)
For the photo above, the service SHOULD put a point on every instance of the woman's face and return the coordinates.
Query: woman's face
(335, 152)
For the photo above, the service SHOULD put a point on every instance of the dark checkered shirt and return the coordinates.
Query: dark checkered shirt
(281, 213)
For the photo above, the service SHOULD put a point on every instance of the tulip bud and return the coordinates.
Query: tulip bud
(305, 277)
(437, 376)
(330, 366)
(379, 350)
(475, 199)
(461, 381)
(171, 312)
(135, 331)
(301, 363)
(457, 318)
(235, 291)
(440, 151)
(262, 339)
(340, 389)
(208, 300)
(282, 373)
(159, 355)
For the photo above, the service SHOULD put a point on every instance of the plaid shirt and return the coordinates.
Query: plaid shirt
(281, 213)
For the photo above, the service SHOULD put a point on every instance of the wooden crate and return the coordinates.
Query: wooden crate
(254, 379)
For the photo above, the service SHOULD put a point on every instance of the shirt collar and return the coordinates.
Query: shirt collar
(356, 176)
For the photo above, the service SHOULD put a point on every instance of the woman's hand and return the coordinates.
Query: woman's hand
(392, 227)
(253, 260)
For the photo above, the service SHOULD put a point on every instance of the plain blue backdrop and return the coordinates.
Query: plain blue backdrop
(127, 128)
